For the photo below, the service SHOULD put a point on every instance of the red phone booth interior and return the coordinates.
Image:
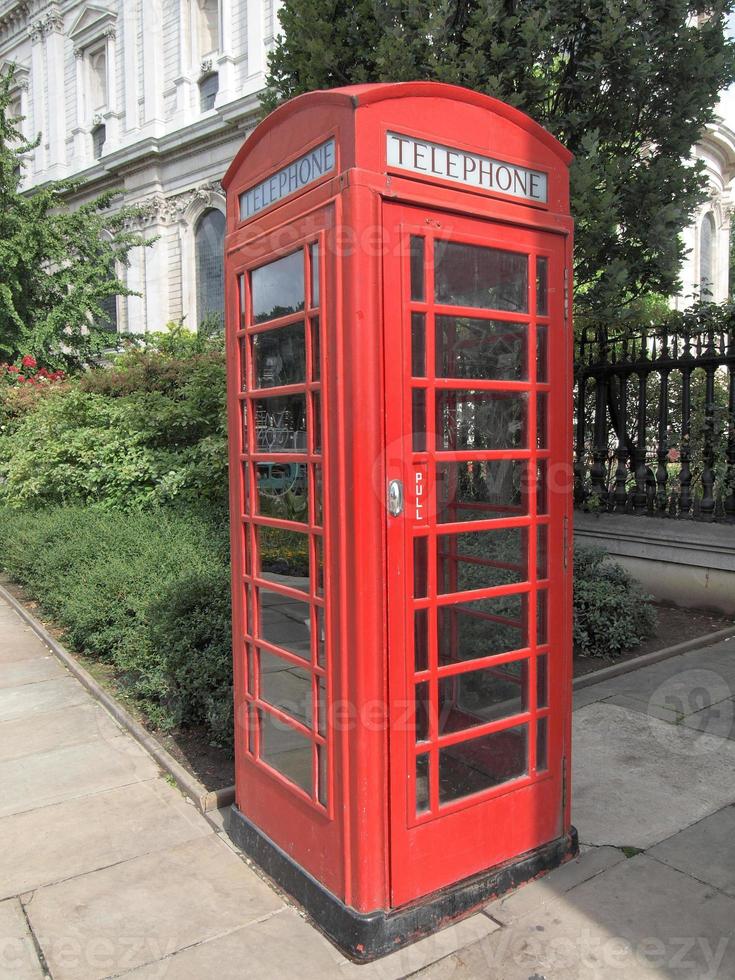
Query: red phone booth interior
(398, 329)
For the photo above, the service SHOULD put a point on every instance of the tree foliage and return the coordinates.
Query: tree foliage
(626, 85)
(57, 265)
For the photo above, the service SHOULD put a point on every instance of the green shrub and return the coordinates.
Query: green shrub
(148, 593)
(611, 613)
(150, 430)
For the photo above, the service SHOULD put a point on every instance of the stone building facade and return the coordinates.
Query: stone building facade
(152, 97)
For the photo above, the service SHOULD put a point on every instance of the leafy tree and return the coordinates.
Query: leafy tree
(57, 265)
(626, 85)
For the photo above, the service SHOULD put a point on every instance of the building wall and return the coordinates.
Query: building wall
(134, 67)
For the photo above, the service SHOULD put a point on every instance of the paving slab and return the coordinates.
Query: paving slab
(18, 959)
(716, 719)
(705, 851)
(143, 910)
(17, 644)
(640, 920)
(55, 729)
(530, 897)
(67, 839)
(670, 683)
(35, 699)
(638, 780)
(30, 671)
(280, 947)
(72, 771)
(286, 945)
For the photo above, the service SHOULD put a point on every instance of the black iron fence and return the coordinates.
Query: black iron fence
(655, 421)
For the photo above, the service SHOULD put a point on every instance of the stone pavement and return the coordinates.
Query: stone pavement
(106, 870)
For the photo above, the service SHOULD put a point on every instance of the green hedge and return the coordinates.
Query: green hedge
(148, 593)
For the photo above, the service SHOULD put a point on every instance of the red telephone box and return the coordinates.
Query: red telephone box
(399, 342)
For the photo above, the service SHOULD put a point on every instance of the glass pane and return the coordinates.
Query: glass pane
(481, 559)
(542, 497)
(417, 269)
(422, 711)
(283, 491)
(280, 424)
(472, 275)
(314, 255)
(249, 613)
(418, 345)
(243, 366)
(479, 696)
(316, 366)
(481, 420)
(542, 617)
(285, 622)
(484, 349)
(480, 763)
(246, 488)
(317, 570)
(481, 490)
(542, 761)
(421, 640)
(542, 285)
(542, 552)
(318, 493)
(542, 421)
(542, 354)
(323, 774)
(542, 684)
(422, 783)
(241, 295)
(286, 686)
(317, 618)
(469, 630)
(279, 357)
(277, 289)
(251, 670)
(322, 707)
(286, 750)
(418, 411)
(284, 556)
(420, 567)
(316, 415)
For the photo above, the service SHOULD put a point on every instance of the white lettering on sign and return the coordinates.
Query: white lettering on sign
(298, 174)
(419, 487)
(421, 157)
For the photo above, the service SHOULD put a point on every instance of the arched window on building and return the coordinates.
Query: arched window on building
(208, 88)
(707, 257)
(209, 245)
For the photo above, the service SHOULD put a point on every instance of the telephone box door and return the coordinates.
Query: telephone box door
(478, 413)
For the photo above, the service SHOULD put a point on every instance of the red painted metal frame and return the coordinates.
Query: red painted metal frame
(359, 846)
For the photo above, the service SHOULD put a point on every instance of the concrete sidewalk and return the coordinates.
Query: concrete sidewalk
(105, 869)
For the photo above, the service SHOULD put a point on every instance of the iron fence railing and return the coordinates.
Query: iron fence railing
(655, 422)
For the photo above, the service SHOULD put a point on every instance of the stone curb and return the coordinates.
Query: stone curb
(607, 673)
(205, 800)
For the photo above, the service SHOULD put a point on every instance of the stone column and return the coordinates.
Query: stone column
(56, 162)
(153, 66)
(37, 122)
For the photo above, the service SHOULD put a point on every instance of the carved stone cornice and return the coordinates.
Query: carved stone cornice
(14, 19)
(160, 209)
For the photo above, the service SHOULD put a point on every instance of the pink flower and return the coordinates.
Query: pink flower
(29, 361)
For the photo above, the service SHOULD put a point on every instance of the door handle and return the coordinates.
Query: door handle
(395, 498)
